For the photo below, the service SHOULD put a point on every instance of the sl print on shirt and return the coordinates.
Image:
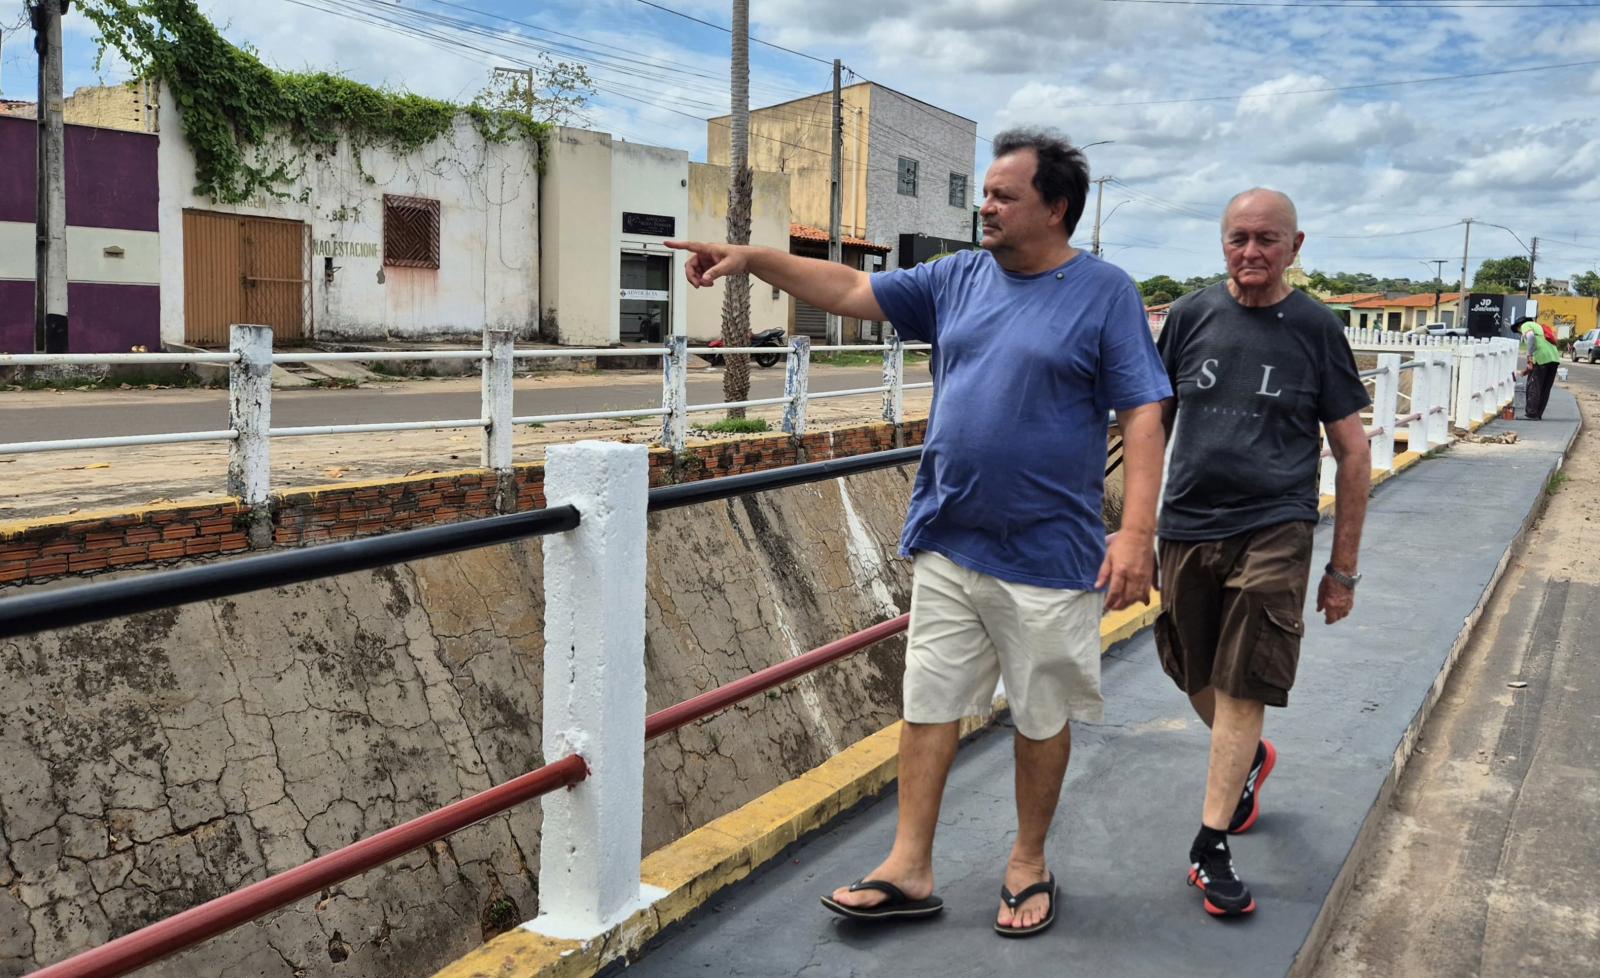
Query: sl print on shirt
(1253, 385)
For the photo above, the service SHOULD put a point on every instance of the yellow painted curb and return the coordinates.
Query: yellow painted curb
(726, 850)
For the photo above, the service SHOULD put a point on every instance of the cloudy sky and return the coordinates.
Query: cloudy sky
(1382, 172)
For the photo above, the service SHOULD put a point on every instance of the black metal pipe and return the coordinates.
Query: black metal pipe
(84, 603)
(710, 490)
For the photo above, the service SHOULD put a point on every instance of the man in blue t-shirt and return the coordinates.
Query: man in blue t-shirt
(1034, 344)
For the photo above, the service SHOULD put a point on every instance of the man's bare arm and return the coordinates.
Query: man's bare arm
(1129, 566)
(830, 287)
(1347, 439)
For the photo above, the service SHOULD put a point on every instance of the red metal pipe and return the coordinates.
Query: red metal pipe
(712, 701)
(184, 930)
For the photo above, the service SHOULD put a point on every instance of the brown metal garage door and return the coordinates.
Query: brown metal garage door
(243, 270)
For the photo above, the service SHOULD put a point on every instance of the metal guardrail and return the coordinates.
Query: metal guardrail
(612, 558)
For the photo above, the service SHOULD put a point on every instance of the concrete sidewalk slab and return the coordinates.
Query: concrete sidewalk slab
(1435, 543)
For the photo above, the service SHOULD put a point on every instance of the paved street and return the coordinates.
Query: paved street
(1485, 865)
(1134, 788)
(93, 414)
(56, 483)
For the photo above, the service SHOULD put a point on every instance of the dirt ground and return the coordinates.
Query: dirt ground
(59, 483)
(1486, 864)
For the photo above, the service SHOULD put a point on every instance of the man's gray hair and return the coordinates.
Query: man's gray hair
(1063, 172)
(1280, 196)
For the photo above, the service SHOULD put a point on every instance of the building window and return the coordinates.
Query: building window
(958, 190)
(410, 231)
(908, 177)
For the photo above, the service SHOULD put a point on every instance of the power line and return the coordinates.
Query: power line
(1389, 234)
(729, 30)
(1342, 88)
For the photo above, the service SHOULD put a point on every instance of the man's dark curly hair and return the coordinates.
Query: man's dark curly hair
(1063, 172)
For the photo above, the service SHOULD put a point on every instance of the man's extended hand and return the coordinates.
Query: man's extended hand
(1127, 570)
(1334, 600)
(709, 260)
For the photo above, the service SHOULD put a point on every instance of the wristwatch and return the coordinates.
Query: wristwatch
(1348, 580)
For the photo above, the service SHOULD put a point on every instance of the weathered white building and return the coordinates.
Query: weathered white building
(607, 206)
(437, 243)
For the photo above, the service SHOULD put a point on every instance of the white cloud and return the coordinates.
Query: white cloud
(1515, 149)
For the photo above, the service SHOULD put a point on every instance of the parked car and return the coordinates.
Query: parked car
(1584, 347)
(1438, 329)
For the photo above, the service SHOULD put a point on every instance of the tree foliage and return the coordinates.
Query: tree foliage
(1502, 274)
(1158, 289)
(1586, 283)
(249, 125)
(550, 92)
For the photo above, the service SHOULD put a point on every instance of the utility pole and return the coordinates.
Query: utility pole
(1461, 304)
(1533, 260)
(527, 73)
(836, 198)
(1099, 196)
(1438, 285)
(50, 252)
(736, 288)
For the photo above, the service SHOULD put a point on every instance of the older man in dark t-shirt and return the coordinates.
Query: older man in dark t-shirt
(1257, 369)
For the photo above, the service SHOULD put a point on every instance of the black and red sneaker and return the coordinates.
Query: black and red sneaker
(1211, 871)
(1249, 808)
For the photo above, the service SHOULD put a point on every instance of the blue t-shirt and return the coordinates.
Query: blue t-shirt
(1026, 369)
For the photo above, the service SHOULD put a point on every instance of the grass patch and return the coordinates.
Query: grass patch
(185, 380)
(1556, 482)
(737, 426)
(866, 358)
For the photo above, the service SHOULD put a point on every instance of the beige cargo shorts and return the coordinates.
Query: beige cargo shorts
(969, 631)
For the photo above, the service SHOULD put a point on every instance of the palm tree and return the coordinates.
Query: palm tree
(736, 292)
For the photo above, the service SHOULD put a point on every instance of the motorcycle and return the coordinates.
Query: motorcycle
(767, 337)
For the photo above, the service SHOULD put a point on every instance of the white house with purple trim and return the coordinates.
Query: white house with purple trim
(113, 238)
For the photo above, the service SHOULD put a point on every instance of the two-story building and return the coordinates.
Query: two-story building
(906, 176)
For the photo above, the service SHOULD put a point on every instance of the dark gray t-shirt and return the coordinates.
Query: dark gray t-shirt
(1252, 386)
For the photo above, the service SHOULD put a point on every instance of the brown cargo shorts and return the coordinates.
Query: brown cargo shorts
(1233, 611)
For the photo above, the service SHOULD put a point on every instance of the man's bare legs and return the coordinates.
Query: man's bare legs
(926, 752)
(1041, 766)
(1235, 732)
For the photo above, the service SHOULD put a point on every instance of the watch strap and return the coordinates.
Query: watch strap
(1348, 580)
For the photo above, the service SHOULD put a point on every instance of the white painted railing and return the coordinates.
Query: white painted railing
(1456, 384)
(250, 360)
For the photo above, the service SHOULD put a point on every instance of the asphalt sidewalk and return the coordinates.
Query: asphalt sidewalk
(1435, 542)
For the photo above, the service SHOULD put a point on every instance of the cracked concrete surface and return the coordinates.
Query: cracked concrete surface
(159, 761)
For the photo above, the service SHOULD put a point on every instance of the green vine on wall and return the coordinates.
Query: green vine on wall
(234, 108)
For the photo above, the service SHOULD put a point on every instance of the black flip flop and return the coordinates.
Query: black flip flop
(898, 905)
(1018, 899)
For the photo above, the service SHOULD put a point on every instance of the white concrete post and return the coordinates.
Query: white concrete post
(250, 414)
(894, 378)
(1484, 372)
(1439, 397)
(496, 367)
(1508, 370)
(594, 696)
(1328, 472)
(1421, 398)
(1385, 408)
(796, 378)
(1463, 414)
(675, 393)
